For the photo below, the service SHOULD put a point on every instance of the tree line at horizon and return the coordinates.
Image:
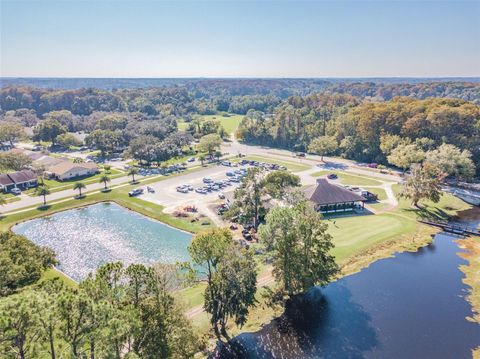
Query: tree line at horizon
(347, 119)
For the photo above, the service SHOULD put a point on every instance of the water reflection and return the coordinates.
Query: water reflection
(87, 237)
(409, 306)
(323, 334)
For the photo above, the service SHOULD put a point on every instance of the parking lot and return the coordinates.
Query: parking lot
(166, 192)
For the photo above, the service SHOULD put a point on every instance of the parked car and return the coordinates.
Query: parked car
(135, 192)
(207, 180)
(150, 189)
(182, 189)
(372, 165)
(230, 174)
(221, 195)
(191, 159)
(300, 154)
(332, 176)
(15, 191)
(201, 190)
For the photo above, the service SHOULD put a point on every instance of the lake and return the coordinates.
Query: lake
(87, 237)
(409, 306)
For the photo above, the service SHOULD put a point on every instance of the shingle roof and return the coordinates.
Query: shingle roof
(23, 176)
(5, 180)
(48, 161)
(66, 166)
(326, 193)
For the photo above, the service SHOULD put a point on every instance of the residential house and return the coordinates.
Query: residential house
(21, 179)
(67, 170)
(6, 183)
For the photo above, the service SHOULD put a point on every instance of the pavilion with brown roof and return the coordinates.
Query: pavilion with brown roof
(331, 198)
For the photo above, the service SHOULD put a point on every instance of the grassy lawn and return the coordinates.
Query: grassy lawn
(53, 274)
(292, 166)
(192, 296)
(229, 122)
(448, 206)
(380, 192)
(10, 197)
(350, 179)
(354, 234)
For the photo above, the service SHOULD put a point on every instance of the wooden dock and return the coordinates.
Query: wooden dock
(454, 228)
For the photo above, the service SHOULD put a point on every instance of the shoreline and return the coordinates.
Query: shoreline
(423, 236)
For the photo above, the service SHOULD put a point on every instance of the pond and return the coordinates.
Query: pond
(87, 237)
(409, 306)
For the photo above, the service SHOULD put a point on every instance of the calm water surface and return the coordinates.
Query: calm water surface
(410, 306)
(87, 237)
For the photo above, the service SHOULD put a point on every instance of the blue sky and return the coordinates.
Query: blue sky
(140, 38)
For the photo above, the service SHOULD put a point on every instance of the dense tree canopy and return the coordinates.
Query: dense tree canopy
(21, 262)
(118, 312)
(299, 244)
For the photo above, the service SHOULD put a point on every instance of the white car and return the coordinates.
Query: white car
(16, 191)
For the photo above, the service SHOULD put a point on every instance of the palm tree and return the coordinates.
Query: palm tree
(132, 172)
(79, 186)
(104, 179)
(107, 168)
(43, 191)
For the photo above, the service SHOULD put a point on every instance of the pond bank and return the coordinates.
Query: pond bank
(412, 305)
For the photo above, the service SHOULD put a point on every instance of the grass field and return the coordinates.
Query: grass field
(229, 122)
(354, 234)
(54, 274)
(292, 166)
(350, 179)
(10, 197)
(380, 192)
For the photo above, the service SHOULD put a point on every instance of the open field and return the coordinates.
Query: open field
(229, 122)
(292, 166)
(350, 179)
